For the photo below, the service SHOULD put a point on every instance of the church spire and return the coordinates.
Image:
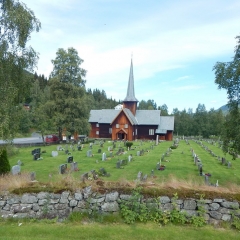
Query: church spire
(130, 91)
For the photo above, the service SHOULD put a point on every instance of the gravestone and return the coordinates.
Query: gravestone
(158, 166)
(99, 150)
(84, 177)
(229, 164)
(33, 176)
(16, 169)
(110, 154)
(123, 162)
(118, 164)
(104, 157)
(19, 163)
(70, 159)
(79, 148)
(54, 153)
(223, 161)
(152, 173)
(89, 153)
(63, 168)
(145, 178)
(109, 148)
(138, 153)
(66, 151)
(103, 172)
(90, 145)
(36, 156)
(200, 169)
(95, 176)
(130, 158)
(74, 166)
(139, 176)
(206, 179)
(59, 148)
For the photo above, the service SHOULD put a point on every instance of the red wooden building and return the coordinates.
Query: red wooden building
(129, 123)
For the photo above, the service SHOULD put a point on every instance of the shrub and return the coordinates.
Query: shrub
(4, 163)
(129, 144)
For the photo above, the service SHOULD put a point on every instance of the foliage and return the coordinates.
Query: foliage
(17, 22)
(129, 144)
(4, 163)
(227, 76)
(66, 66)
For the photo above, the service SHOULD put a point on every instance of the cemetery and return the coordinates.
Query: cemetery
(187, 168)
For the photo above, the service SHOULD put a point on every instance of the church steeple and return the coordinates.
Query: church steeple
(130, 100)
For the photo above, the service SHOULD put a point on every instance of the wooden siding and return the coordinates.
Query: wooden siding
(143, 132)
(132, 106)
(93, 130)
(104, 131)
(121, 132)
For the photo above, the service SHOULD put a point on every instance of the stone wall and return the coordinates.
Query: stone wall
(50, 205)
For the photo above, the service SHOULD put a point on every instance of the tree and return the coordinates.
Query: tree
(4, 163)
(164, 110)
(66, 66)
(227, 76)
(17, 22)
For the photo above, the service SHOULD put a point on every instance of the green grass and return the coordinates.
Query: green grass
(179, 164)
(46, 230)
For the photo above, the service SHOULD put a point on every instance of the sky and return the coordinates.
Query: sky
(174, 45)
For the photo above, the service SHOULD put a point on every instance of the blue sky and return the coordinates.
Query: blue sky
(174, 44)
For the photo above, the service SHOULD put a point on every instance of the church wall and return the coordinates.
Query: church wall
(143, 132)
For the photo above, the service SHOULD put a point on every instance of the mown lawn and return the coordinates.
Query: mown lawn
(23, 230)
(179, 164)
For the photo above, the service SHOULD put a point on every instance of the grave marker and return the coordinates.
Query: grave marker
(54, 153)
(16, 169)
(70, 159)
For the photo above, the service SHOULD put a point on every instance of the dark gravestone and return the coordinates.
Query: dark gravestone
(145, 178)
(200, 169)
(118, 164)
(84, 177)
(70, 159)
(36, 156)
(223, 161)
(99, 150)
(63, 168)
(79, 148)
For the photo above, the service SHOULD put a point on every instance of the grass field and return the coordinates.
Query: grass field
(95, 231)
(180, 167)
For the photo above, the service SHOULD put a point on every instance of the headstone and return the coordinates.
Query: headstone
(145, 177)
(200, 169)
(66, 151)
(118, 164)
(54, 153)
(104, 157)
(223, 161)
(74, 166)
(157, 137)
(79, 148)
(138, 153)
(139, 176)
(89, 153)
(36, 156)
(109, 148)
(59, 148)
(110, 154)
(84, 177)
(70, 159)
(19, 163)
(130, 158)
(158, 166)
(63, 168)
(16, 169)
(206, 179)
(95, 176)
(229, 165)
(99, 150)
(152, 173)
(33, 176)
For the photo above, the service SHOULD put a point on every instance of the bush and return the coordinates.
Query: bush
(4, 163)
(129, 144)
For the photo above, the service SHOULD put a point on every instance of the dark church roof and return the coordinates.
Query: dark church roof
(130, 91)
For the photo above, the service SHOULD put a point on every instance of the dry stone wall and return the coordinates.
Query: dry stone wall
(50, 205)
